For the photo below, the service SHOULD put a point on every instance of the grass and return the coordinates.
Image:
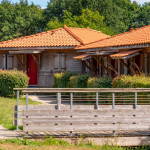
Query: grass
(52, 144)
(6, 110)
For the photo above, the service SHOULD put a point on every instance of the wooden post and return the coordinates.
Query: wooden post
(17, 109)
(58, 100)
(125, 68)
(118, 66)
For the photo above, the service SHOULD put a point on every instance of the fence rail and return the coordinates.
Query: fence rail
(111, 116)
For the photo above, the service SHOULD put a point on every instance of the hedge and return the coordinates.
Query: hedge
(101, 82)
(61, 80)
(127, 81)
(79, 81)
(12, 79)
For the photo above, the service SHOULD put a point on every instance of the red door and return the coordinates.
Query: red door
(32, 70)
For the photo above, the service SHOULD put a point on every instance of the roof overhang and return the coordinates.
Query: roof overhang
(115, 47)
(126, 54)
(26, 52)
(82, 57)
(37, 48)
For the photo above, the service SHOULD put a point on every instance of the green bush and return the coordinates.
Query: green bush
(12, 79)
(127, 81)
(101, 82)
(61, 80)
(79, 81)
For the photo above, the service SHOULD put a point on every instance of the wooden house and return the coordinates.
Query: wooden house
(43, 54)
(126, 53)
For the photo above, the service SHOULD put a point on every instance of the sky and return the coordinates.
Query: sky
(43, 3)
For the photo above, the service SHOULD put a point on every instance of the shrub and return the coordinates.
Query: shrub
(12, 79)
(79, 81)
(61, 80)
(101, 82)
(135, 81)
(128, 81)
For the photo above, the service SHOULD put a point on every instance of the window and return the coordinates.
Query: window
(7, 61)
(60, 62)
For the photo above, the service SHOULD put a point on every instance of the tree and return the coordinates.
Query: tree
(117, 13)
(19, 19)
(87, 19)
(142, 16)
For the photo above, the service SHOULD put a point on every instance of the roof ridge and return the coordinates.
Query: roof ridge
(71, 33)
(86, 29)
(30, 36)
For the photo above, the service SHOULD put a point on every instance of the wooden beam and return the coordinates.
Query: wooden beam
(101, 64)
(135, 66)
(19, 61)
(109, 64)
(86, 65)
(36, 60)
(125, 65)
(92, 65)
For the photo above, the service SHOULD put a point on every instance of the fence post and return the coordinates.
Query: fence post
(96, 100)
(71, 100)
(71, 106)
(135, 105)
(58, 100)
(113, 107)
(17, 109)
(27, 108)
(26, 101)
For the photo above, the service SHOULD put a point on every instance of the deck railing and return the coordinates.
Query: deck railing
(112, 96)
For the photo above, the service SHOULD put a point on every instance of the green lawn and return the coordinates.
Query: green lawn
(6, 110)
(54, 144)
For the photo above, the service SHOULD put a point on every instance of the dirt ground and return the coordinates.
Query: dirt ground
(22, 147)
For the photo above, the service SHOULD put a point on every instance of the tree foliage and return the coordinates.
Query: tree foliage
(109, 16)
(19, 19)
(87, 19)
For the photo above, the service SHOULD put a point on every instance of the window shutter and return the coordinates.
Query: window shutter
(56, 66)
(9, 62)
(4, 61)
(63, 61)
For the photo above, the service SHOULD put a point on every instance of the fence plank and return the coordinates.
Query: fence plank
(78, 107)
(88, 120)
(81, 128)
(84, 112)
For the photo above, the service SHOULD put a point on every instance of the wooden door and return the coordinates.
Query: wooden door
(32, 70)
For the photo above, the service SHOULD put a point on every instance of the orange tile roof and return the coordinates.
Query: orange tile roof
(87, 35)
(124, 53)
(66, 36)
(81, 56)
(133, 37)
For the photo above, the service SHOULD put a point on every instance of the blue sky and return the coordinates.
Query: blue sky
(43, 3)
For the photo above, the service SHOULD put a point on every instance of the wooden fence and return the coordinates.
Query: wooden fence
(79, 118)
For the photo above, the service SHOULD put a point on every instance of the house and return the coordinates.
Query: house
(126, 53)
(43, 54)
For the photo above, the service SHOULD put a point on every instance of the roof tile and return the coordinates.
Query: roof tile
(133, 37)
(67, 36)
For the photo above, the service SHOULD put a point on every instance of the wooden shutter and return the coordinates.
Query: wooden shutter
(56, 66)
(4, 61)
(9, 62)
(63, 61)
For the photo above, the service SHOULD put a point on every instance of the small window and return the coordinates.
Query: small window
(7, 61)
(60, 62)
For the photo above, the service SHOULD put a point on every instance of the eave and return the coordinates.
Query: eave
(115, 47)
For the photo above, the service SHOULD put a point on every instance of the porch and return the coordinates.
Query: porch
(115, 62)
(123, 117)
